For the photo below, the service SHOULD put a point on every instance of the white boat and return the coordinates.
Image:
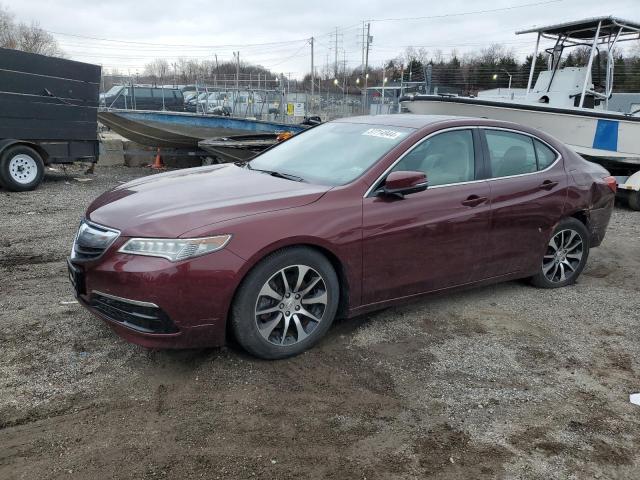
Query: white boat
(564, 101)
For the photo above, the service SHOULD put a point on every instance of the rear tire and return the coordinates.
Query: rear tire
(566, 255)
(286, 303)
(21, 168)
(634, 200)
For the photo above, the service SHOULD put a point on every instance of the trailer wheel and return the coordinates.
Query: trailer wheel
(634, 200)
(21, 168)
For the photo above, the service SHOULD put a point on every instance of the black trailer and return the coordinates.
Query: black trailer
(48, 115)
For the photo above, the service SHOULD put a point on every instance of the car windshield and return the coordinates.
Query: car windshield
(331, 153)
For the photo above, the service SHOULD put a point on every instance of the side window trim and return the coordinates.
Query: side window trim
(485, 159)
(535, 153)
(485, 149)
(473, 128)
(544, 144)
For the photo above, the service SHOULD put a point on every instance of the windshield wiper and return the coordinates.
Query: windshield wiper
(275, 173)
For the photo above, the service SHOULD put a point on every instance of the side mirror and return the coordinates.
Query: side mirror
(400, 184)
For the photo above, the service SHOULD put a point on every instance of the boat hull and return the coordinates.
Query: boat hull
(588, 133)
(238, 148)
(184, 130)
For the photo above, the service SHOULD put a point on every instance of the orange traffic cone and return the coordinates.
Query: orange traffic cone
(284, 136)
(157, 164)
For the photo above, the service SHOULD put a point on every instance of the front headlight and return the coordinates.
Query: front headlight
(175, 249)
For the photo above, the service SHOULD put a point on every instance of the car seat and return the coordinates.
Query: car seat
(514, 162)
(452, 166)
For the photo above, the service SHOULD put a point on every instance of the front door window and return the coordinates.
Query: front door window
(445, 158)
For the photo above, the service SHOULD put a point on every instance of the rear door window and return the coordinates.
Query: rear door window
(510, 153)
(445, 158)
(545, 155)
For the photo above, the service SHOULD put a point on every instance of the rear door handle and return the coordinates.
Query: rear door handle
(473, 201)
(548, 185)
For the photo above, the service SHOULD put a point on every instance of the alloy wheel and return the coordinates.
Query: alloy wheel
(291, 305)
(563, 257)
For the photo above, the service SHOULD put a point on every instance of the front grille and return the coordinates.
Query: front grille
(92, 241)
(141, 316)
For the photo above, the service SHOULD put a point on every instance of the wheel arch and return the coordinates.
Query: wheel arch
(336, 262)
(582, 216)
(6, 143)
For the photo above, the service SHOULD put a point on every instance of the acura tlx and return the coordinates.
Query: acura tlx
(347, 217)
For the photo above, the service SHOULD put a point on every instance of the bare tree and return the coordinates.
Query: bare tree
(32, 38)
(495, 53)
(28, 38)
(7, 29)
(157, 70)
(420, 55)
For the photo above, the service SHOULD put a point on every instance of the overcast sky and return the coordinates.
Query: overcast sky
(200, 29)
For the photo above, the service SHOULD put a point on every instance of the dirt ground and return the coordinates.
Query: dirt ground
(506, 381)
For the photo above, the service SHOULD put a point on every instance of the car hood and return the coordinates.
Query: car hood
(171, 204)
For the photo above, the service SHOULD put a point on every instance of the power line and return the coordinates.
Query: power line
(229, 45)
(476, 12)
(173, 44)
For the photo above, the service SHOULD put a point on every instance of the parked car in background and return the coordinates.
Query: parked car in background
(189, 95)
(244, 103)
(200, 100)
(143, 98)
(347, 217)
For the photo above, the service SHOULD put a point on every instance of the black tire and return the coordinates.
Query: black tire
(244, 320)
(634, 200)
(563, 262)
(16, 178)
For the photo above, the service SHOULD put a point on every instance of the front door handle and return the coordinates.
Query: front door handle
(473, 201)
(548, 185)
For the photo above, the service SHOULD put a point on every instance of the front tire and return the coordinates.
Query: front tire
(286, 304)
(566, 255)
(21, 168)
(634, 200)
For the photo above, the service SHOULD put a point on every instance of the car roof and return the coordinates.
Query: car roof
(407, 120)
(434, 122)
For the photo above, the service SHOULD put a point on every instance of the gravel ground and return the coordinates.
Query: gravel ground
(505, 381)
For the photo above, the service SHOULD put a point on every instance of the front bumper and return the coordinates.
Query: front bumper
(141, 316)
(156, 303)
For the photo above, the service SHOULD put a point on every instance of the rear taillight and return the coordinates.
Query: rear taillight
(611, 182)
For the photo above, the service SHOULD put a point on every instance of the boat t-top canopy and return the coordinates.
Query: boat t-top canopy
(597, 33)
(586, 29)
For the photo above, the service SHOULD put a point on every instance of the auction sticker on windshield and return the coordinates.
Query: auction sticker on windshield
(383, 133)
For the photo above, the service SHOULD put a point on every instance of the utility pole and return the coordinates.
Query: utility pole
(237, 55)
(362, 49)
(312, 77)
(366, 67)
(384, 76)
(344, 73)
(335, 65)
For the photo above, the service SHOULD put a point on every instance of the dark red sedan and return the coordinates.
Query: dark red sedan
(349, 216)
